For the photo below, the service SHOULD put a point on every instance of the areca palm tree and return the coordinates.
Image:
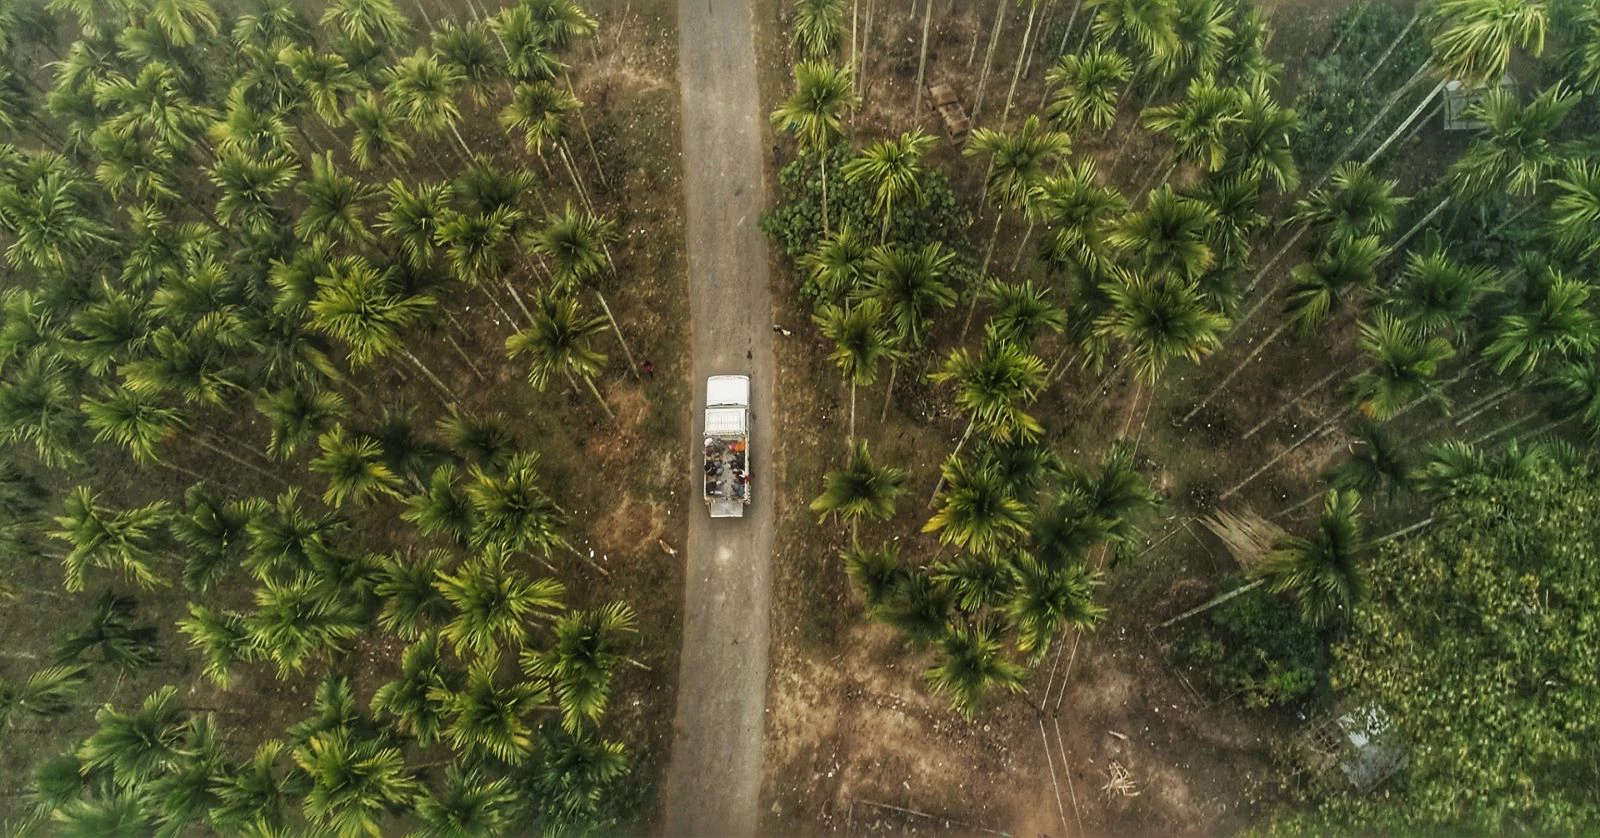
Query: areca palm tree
(1159, 320)
(1148, 24)
(492, 602)
(818, 26)
(486, 717)
(1200, 125)
(424, 89)
(893, 170)
(132, 420)
(295, 621)
(1016, 165)
(1169, 234)
(112, 632)
(414, 217)
(354, 467)
(1078, 213)
(1404, 367)
(471, 803)
(1320, 572)
(1342, 274)
(333, 205)
(469, 50)
(357, 304)
(978, 511)
(861, 489)
(528, 53)
(376, 136)
(1376, 464)
(410, 600)
(1436, 294)
(127, 541)
(559, 341)
(814, 114)
(441, 508)
(1514, 150)
(1357, 203)
(860, 343)
(1023, 311)
(575, 775)
(416, 701)
(1575, 212)
(1087, 86)
(837, 266)
(1558, 326)
(326, 79)
(578, 243)
(257, 794)
(874, 571)
(1044, 600)
(222, 640)
(972, 664)
(1260, 143)
(580, 664)
(995, 387)
(354, 780)
(297, 415)
(137, 745)
(539, 110)
(511, 509)
(977, 581)
(47, 692)
(365, 29)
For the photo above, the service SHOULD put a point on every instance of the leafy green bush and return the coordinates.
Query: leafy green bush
(1334, 103)
(796, 222)
(1255, 648)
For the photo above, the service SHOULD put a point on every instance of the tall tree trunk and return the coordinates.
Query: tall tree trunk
(1366, 131)
(988, 57)
(588, 139)
(1016, 73)
(822, 160)
(449, 394)
(1315, 386)
(1276, 257)
(1234, 373)
(203, 441)
(1022, 246)
(577, 183)
(1116, 158)
(476, 373)
(504, 280)
(1416, 228)
(622, 341)
(1384, 58)
(850, 438)
(888, 392)
(1395, 134)
(1213, 603)
(1315, 432)
(1486, 404)
(922, 64)
(589, 381)
(978, 291)
(965, 435)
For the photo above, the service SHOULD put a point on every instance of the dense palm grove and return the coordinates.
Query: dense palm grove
(244, 249)
(1428, 358)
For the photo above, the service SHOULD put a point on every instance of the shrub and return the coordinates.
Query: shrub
(1334, 103)
(1255, 648)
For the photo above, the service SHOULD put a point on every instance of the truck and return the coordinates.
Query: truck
(727, 445)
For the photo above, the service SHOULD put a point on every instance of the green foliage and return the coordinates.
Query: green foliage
(796, 221)
(1334, 102)
(1256, 650)
(1477, 641)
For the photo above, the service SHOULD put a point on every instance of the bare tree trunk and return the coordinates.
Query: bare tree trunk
(449, 394)
(965, 435)
(1213, 603)
(1276, 257)
(1384, 59)
(1395, 134)
(623, 342)
(588, 139)
(597, 397)
(1318, 385)
(888, 392)
(1366, 131)
(988, 56)
(1016, 73)
(1315, 432)
(922, 64)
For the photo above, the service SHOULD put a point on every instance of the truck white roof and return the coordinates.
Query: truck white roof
(726, 421)
(731, 390)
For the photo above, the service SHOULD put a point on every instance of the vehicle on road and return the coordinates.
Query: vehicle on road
(727, 445)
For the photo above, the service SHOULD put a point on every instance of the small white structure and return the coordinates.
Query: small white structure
(1459, 99)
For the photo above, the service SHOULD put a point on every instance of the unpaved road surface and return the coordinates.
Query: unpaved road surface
(715, 776)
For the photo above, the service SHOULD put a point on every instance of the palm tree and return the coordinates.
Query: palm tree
(893, 169)
(818, 26)
(874, 571)
(357, 304)
(1260, 143)
(470, 52)
(1078, 213)
(580, 664)
(221, 639)
(837, 266)
(579, 244)
(1356, 204)
(1023, 311)
(36, 406)
(354, 780)
(137, 746)
(510, 509)
(257, 794)
(576, 775)
(365, 29)
(973, 663)
(975, 581)
(491, 601)
(113, 633)
(410, 601)
(1376, 464)
(470, 804)
(978, 511)
(861, 342)
(1514, 150)
(325, 78)
(377, 136)
(1558, 326)
(539, 110)
(1404, 367)
(47, 692)
(1436, 294)
(1200, 125)
(1159, 320)
(485, 717)
(1087, 87)
(1016, 165)
(558, 340)
(297, 415)
(442, 507)
(424, 88)
(354, 467)
(295, 621)
(525, 45)
(1044, 600)
(127, 541)
(1575, 212)
(333, 205)
(416, 701)
(132, 420)
(1148, 24)
(909, 285)
(478, 438)
(1320, 571)
(994, 388)
(815, 112)
(861, 489)
(1169, 234)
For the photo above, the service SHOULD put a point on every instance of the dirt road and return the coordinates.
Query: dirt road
(715, 775)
